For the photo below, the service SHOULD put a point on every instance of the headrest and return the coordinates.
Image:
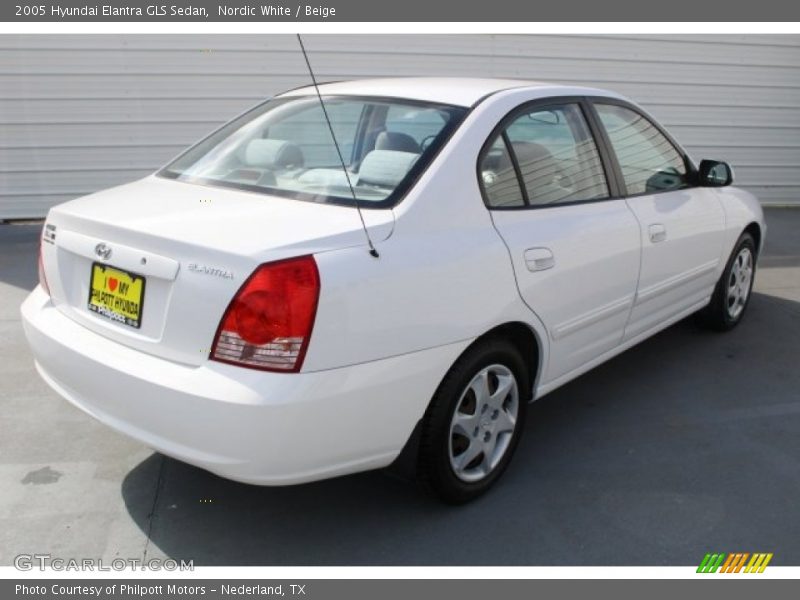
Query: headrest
(273, 154)
(385, 167)
(394, 140)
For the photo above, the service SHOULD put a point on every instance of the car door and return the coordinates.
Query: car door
(573, 244)
(682, 225)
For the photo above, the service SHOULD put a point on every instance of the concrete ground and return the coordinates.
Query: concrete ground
(686, 444)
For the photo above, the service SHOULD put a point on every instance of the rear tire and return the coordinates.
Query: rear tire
(474, 422)
(732, 292)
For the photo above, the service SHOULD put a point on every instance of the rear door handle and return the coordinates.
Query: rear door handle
(539, 259)
(658, 233)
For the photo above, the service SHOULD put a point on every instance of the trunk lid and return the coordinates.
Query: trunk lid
(192, 245)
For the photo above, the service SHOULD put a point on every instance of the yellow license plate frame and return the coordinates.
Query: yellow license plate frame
(116, 294)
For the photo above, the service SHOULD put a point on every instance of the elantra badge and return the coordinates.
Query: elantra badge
(203, 269)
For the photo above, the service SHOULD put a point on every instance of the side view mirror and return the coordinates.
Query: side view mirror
(715, 173)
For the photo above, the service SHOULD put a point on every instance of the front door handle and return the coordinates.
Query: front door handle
(658, 233)
(539, 259)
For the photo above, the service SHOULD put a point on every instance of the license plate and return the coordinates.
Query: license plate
(116, 294)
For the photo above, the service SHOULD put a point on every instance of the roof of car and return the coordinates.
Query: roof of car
(459, 91)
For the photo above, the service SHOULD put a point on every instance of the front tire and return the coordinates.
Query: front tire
(474, 422)
(732, 293)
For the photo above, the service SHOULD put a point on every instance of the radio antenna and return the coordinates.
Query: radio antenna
(372, 249)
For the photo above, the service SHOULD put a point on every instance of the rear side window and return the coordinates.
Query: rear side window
(553, 154)
(649, 161)
(500, 178)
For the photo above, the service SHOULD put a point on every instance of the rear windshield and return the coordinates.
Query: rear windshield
(285, 147)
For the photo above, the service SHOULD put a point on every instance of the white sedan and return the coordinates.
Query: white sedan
(288, 301)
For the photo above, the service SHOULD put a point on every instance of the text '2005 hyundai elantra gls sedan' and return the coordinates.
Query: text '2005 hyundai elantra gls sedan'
(280, 304)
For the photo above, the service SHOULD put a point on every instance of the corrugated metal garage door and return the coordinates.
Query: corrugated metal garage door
(80, 113)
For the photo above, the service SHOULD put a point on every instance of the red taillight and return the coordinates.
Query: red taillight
(268, 323)
(42, 276)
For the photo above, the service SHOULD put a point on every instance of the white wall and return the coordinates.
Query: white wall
(79, 113)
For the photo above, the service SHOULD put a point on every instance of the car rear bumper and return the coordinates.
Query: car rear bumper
(246, 425)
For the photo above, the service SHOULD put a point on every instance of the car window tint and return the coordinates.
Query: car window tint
(649, 161)
(557, 156)
(500, 182)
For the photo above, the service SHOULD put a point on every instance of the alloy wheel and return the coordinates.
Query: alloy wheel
(483, 423)
(739, 282)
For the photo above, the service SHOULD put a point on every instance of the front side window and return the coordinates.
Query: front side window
(648, 160)
(285, 147)
(554, 155)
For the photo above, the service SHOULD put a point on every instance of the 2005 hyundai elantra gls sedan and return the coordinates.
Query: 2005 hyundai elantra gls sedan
(231, 311)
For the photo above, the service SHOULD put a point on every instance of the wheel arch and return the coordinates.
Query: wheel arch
(525, 338)
(526, 341)
(754, 229)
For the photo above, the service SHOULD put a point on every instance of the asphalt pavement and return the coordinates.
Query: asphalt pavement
(686, 444)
